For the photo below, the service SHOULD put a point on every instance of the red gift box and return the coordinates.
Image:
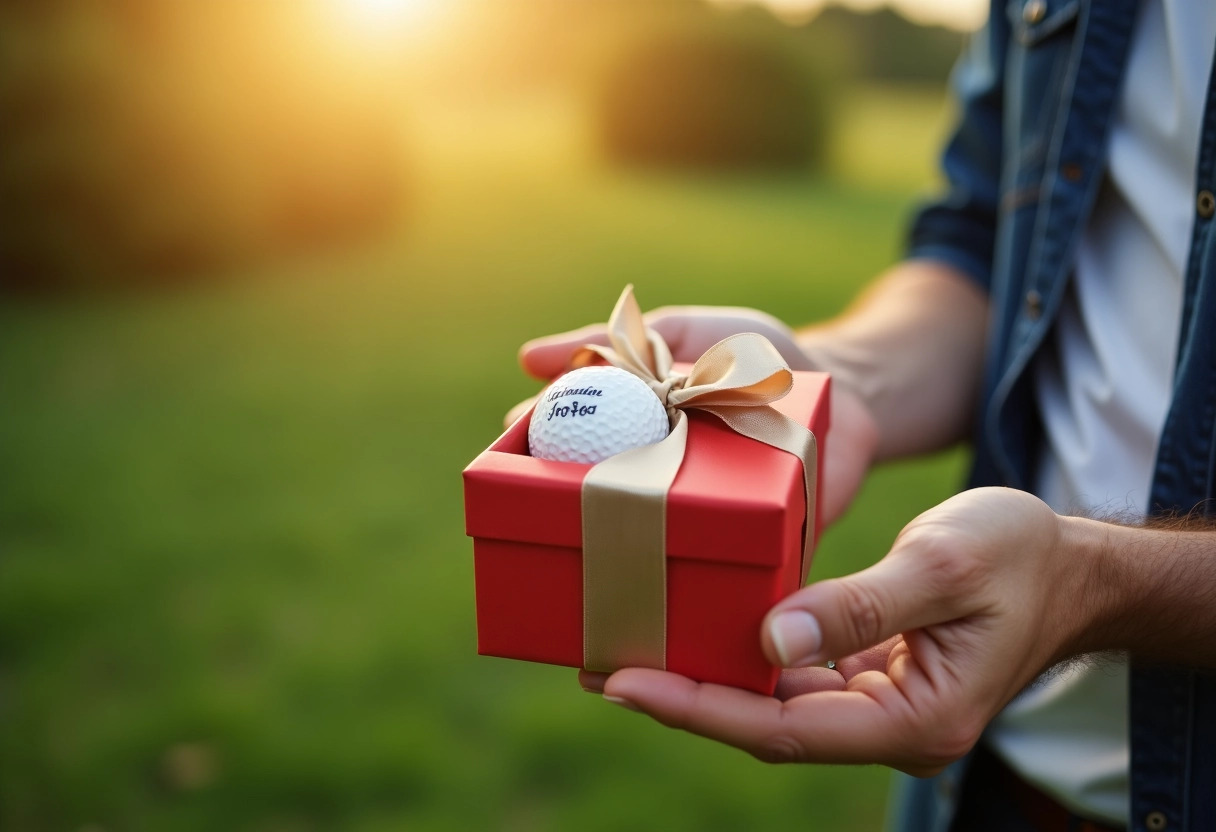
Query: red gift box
(735, 517)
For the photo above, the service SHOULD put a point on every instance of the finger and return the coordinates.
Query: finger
(848, 726)
(691, 330)
(549, 357)
(875, 658)
(797, 681)
(802, 680)
(904, 591)
(592, 681)
(688, 331)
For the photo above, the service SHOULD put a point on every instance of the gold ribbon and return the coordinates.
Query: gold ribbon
(624, 497)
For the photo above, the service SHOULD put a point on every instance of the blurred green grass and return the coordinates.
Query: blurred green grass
(235, 591)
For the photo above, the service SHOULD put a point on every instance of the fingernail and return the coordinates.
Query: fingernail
(592, 682)
(796, 636)
(624, 703)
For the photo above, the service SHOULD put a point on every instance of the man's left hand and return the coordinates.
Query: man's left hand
(972, 603)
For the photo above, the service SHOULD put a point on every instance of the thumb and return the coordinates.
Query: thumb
(844, 616)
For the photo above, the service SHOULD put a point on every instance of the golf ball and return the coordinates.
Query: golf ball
(592, 413)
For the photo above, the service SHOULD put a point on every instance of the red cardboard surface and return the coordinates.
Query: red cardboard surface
(734, 541)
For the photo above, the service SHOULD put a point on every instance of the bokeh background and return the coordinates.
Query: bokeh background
(264, 268)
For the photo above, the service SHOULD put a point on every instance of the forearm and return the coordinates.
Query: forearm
(1150, 591)
(911, 347)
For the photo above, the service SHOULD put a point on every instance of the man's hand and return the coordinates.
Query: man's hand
(688, 330)
(691, 330)
(905, 360)
(974, 601)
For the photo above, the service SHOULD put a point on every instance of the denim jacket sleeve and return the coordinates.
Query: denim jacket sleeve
(959, 228)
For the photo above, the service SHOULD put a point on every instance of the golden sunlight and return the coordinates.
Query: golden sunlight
(380, 11)
(382, 15)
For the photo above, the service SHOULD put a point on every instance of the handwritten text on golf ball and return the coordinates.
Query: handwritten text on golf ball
(574, 408)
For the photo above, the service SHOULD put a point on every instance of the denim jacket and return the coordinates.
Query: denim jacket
(1037, 91)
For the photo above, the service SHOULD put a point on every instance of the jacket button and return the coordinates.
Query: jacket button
(1072, 172)
(1034, 304)
(1155, 821)
(1034, 11)
(1205, 204)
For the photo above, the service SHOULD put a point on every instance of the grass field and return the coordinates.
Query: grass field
(235, 592)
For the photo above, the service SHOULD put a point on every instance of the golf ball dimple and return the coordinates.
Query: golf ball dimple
(593, 413)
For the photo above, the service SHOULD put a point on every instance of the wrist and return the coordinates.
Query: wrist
(1095, 589)
(851, 367)
(1143, 590)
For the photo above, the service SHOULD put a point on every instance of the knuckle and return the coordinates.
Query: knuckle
(953, 567)
(864, 614)
(945, 560)
(778, 749)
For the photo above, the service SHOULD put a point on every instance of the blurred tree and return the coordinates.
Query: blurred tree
(733, 88)
(725, 93)
(882, 45)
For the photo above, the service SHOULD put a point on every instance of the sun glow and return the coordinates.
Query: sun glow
(381, 16)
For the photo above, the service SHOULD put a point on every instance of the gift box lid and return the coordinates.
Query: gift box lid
(734, 500)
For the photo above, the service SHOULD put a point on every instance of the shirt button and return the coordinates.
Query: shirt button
(1034, 304)
(1034, 11)
(1205, 204)
(1155, 821)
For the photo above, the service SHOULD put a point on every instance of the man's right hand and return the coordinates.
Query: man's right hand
(688, 330)
(691, 330)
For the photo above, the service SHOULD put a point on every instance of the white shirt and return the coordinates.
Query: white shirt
(1105, 387)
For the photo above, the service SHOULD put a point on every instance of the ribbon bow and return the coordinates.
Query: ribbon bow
(624, 497)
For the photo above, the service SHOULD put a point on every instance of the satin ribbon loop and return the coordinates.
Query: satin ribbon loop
(624, 497)
(744, 369)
